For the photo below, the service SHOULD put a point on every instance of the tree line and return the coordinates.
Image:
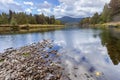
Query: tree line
(109, 11)
(14, 18)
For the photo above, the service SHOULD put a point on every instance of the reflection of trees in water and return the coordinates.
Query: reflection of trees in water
(112, 41)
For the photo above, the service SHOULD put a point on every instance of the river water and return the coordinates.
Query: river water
(87, 54)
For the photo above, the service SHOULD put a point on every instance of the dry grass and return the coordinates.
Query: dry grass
(29, 28)
(112, 23)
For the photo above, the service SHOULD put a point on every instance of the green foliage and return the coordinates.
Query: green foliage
(3, 18)
(108, 14)
(115, 7)
(105, 16)
(52, 19)
(58, 22)
(13, 22)
(23, 18)
(31, 19)
(95, 19)
(85, 21)
(10, 16)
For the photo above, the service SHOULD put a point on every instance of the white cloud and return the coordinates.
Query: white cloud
(44, 5)
(6, 1)
(73, 8)
(79, 8)
(28, 10)
(28, 3)
(6, 5)
(45, 8)
(46, 12)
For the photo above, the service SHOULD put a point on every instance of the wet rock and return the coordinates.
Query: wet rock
(92, 69)
(75, 75)
(75, 68)
(31, 62)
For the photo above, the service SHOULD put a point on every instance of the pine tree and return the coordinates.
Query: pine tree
(105, 16)
(115, 7)
(95, 18)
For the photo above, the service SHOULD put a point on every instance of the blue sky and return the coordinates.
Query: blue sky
(59, 8)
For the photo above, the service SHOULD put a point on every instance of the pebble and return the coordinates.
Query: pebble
(31, 62)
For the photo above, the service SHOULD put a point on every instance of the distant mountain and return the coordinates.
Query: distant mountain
(67, 19)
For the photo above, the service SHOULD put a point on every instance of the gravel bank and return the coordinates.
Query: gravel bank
(38, 61)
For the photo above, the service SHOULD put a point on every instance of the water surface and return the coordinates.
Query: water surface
(86, 53)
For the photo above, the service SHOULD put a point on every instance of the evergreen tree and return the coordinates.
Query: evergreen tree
(4, 18)
(10, 15)
(23, 18)
(105, 16)
(52, 19)
(31, 19)
(13, 21)
(95, 19)
(115, 7)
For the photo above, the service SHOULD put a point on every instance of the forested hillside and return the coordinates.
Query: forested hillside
(14, 18)
(111, 13)
(67, 19)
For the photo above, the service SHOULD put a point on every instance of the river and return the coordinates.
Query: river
(86, 53)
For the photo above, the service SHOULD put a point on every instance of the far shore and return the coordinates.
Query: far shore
(28, 28)
(6, 25)
(109, 25)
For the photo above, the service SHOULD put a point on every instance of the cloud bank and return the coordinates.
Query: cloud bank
(73, 8)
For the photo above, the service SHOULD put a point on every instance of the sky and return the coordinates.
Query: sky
(59, 8)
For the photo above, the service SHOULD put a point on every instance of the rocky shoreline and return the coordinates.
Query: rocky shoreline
(38, 61)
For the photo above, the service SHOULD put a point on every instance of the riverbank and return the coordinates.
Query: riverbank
(115, 26)
(9, 29)
(38, 61)
(107, 25)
